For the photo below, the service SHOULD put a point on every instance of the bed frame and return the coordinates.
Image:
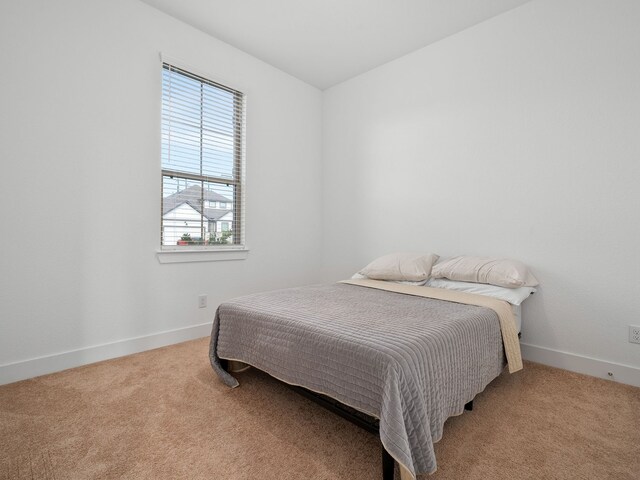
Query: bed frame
(354, 416)
(360, 419)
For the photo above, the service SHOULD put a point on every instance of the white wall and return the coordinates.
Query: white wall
(80, 133)
(518, 137)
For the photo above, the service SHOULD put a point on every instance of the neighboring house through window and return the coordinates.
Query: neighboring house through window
(202, 161)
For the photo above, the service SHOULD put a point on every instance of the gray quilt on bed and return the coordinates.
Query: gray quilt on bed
(410, 361)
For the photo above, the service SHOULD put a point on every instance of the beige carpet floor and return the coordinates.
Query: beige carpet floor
(163, 414)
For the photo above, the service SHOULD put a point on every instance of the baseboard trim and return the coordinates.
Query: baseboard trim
(34, 367)
(13, 372)
(581, 364)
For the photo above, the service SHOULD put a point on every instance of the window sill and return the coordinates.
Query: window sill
(188, 256)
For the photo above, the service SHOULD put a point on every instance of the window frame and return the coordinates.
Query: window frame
(233, 251)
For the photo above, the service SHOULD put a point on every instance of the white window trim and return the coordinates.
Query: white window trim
(166, 255)
(200, 255)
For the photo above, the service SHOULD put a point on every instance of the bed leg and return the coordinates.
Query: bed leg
(469, 406)
(387, 465)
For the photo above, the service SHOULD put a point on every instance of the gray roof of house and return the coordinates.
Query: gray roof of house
(215, 213)
(192, 196)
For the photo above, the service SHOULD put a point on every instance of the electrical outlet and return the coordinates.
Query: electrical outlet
(202, 301)
(634, 334)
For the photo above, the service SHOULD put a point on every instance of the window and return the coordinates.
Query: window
(202, 162)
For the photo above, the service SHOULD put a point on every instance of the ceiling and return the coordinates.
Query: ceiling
(324, 42)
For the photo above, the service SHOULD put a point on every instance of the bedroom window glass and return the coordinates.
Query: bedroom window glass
(203, 125)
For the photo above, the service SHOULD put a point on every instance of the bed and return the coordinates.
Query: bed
(408, 356)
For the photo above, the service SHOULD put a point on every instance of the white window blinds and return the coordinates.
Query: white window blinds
(203, 146)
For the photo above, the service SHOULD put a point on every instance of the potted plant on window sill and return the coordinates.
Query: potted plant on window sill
(185, 239)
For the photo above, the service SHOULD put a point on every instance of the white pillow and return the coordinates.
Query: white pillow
(413, 267)
(495, 271)
(515, 296)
